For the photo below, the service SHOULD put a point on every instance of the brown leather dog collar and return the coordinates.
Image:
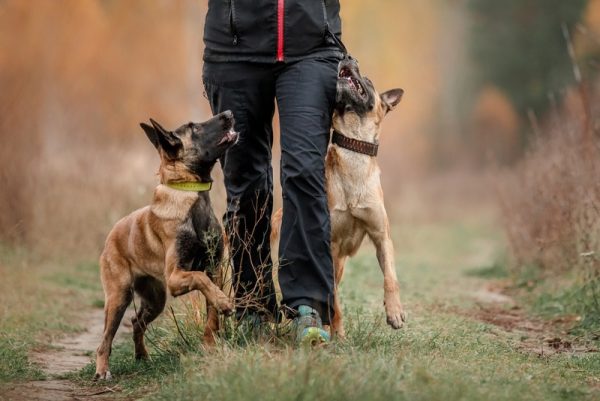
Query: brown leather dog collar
(366, 148)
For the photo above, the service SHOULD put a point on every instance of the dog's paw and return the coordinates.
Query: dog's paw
(141, 354)
(106, 376)
(225, 306)
(339, 335)
(395, 315)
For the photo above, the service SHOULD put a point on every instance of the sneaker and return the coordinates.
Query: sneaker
(309, 328)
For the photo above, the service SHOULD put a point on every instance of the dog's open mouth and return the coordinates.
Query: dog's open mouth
(230, 137)
(346, 75)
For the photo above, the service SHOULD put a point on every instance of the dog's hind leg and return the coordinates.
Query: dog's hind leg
(118, 293)
(153, 297)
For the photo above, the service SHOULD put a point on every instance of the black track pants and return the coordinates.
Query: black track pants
(305, 95)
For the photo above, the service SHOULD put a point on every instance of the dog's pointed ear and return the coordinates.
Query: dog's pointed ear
(163, 134)
(167, 141)
(151, 134)
(391, 98)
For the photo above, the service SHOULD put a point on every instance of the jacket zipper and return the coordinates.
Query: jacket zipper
(232, 26)
(280, 33)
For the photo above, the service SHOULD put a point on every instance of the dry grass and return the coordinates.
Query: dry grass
(551, 202)
(73, 158)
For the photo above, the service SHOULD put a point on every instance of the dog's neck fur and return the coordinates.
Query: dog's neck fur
(170, 172)
(173, 204)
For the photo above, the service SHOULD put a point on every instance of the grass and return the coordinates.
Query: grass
(40, 301)
(556, 296)
(135, 377)
(442, 354)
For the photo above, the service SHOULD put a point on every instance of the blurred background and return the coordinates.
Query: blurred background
(499, 114)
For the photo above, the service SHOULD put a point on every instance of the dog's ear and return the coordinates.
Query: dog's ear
(161, 138)
(151, 134)
(391, 98)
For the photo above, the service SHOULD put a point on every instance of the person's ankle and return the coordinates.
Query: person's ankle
(306, 310)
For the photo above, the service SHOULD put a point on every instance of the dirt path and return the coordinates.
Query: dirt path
(64, 356)
(541, 337)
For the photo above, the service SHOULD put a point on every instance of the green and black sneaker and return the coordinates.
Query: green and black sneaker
(309, 328)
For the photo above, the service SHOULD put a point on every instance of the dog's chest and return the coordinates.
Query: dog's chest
(351, 189)
(171, 204)
(199, 238)
(347, 232)
(347, 229)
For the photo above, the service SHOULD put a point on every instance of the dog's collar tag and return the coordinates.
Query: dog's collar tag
(191, 186)
(366, 148)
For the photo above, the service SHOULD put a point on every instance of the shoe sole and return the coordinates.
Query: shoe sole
(313, 337)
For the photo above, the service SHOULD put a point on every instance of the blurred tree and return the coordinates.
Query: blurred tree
(518, 46)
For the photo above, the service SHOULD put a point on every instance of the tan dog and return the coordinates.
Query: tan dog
(174, 243)
(354, 192)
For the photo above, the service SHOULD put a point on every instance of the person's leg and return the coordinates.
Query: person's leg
(247, 90)
(305, 94)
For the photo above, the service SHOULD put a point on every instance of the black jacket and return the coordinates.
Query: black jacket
(267, 31)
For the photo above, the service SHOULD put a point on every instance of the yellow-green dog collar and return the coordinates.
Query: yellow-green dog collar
(191, 186)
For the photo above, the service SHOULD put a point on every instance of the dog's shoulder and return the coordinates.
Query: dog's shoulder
(126, 223)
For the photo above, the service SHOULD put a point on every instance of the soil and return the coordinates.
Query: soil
(64, 356)
(533, 335)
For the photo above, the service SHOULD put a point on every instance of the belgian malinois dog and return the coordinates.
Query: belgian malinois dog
(176, 242)
(354, 192)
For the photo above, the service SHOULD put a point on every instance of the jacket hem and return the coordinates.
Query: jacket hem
(213, 57)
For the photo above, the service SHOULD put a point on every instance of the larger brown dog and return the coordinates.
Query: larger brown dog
(174, 243)
(354, 191)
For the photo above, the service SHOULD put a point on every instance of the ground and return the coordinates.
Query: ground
(468, 336)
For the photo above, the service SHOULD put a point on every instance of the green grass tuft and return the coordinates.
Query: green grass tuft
(15, 365)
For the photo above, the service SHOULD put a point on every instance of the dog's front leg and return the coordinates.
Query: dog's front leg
(337, 323)
(378, 229)
(212, 319)
(181, 282)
